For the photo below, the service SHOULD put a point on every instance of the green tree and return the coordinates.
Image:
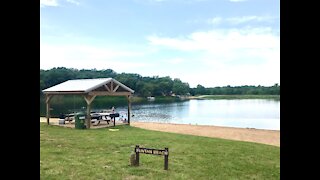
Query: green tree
(200, 90)
(180, 88)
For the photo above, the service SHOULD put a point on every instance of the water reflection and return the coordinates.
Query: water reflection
(247, 113)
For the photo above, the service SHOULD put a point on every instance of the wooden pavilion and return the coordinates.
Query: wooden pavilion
(89, 89)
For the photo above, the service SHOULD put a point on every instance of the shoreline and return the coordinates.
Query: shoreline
(201, 125)
(270, 137)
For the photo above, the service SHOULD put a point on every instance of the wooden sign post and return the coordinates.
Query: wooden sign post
(164, 152)
(166, 158)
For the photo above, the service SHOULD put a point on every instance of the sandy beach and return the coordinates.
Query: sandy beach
(271, 137)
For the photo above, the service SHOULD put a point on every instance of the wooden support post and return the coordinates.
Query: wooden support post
(48, 98)
(88, 116)
(129, 108)
(137, 155)
(48, 113)
(111, 86)
(89, 100)
(166, 159)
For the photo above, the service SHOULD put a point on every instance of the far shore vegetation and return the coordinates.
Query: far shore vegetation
(151, 86)
(275, 97)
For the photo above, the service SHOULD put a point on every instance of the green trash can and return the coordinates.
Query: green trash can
(80, 120)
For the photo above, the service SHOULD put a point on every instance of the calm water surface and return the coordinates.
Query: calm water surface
(245, 113)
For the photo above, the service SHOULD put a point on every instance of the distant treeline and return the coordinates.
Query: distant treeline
(238, 90)
(149, 86)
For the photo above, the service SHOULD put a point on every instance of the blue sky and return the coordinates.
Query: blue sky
(207, 42)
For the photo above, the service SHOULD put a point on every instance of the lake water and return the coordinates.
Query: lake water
(245, 113)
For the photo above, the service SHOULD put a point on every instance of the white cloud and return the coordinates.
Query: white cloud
(240, 20)
(175, 61)
(215, 20)
(87, 57)
(55, 3)
(44, 3)
(181, 1)
(151, 1)
(229, 56)
(237, 0)
(217, 40)
(73, 2)
(213, 73)
(244, 19)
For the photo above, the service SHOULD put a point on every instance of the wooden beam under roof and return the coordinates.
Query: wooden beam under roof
(107, 87)
(64, 92)
(101, 93)
(116, 88)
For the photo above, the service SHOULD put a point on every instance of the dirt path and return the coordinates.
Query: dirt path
(270, 137)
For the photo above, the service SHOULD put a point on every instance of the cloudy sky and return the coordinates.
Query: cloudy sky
(207, 42)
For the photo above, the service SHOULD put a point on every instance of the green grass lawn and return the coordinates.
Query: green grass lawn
(101, 154)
